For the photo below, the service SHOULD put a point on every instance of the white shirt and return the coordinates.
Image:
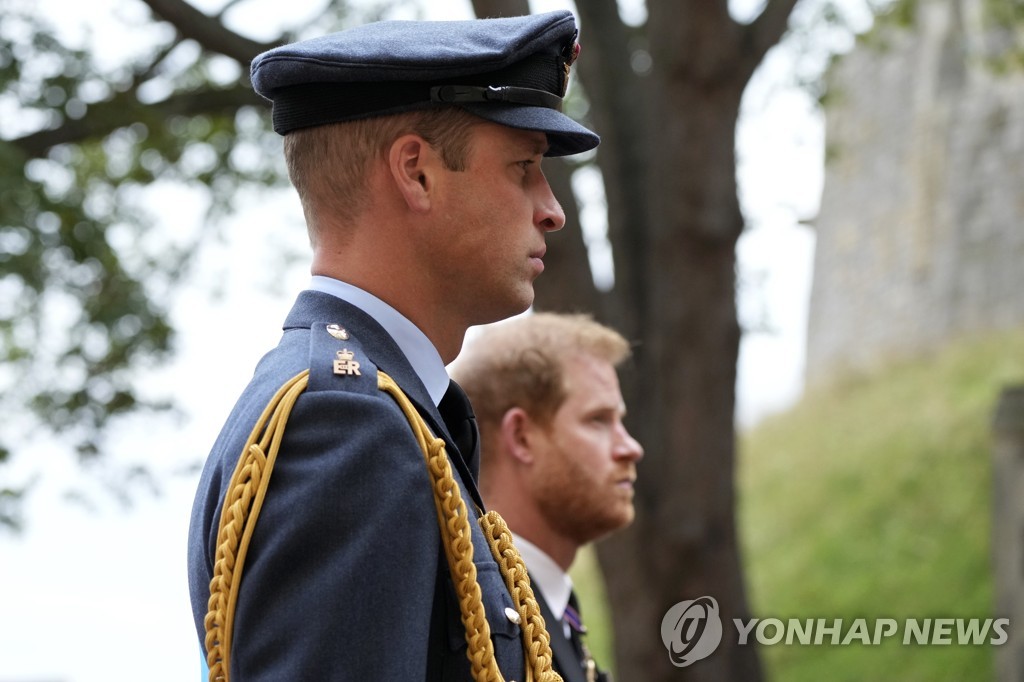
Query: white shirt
(418, 349)
(548, 576)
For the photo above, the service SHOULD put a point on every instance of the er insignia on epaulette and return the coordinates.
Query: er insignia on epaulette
(345, 364)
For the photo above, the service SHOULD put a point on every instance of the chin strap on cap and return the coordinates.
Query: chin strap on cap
(472, 94)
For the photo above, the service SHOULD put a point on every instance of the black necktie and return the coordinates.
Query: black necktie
(458, 417)
(576, 632)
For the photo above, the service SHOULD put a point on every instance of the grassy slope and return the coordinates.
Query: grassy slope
(872, 500)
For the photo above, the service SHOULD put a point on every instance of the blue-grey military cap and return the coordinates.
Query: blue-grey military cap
(513, 71)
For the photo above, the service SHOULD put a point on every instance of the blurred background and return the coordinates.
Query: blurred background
(806, 213)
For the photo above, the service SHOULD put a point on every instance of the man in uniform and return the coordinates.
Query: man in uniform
(415, 148)
(556, 460)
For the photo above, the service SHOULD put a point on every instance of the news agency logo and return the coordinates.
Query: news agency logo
(691, 630)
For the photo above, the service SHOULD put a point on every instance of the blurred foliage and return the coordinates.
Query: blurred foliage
(1000, 25)
(1004, 20)
(823, 30)
(900, 13)
(85, 277)
(87, 269)
(872, 499)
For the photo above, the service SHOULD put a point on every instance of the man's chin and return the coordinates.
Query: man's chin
(611, 525)
(514, 308)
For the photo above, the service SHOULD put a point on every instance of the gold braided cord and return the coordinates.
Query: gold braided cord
(244, 499)
(536, 639)
(242, 503)
(456, 538)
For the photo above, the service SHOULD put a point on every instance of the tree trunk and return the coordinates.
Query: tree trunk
(668, 161)
(681, 395)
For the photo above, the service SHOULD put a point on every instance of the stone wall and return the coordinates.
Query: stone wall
(921, 227)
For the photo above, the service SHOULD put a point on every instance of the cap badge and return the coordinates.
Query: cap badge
(570, 54)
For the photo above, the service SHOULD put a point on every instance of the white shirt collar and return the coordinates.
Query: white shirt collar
(546, 574)
(418, 349)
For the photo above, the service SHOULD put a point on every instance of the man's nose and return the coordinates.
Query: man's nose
(548, 214)
(628, 447)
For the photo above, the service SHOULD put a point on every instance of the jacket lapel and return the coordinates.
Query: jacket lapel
(567, 663)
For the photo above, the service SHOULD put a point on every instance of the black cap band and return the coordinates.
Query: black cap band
(533, 81)
(466, 94)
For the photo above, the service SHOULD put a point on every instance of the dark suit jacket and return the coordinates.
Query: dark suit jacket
(567, 662)
(345, 578)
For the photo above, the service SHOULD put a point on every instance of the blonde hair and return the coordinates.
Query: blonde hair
(519, 363)
(329, 164)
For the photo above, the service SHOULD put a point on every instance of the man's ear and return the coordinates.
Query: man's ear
(411, 162)
(518, 435)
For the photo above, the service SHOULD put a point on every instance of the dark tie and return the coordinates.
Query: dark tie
(576, 632)
(458, 417)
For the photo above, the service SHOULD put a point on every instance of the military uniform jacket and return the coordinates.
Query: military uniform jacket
(345, 577)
